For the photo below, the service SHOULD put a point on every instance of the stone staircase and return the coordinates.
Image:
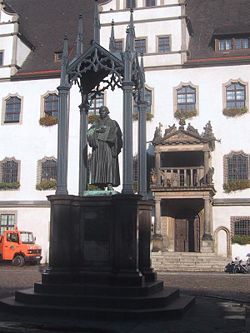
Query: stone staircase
(188, 262)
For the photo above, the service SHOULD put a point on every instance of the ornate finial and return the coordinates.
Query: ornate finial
(191, 129)
(130, 40)
(208, 131)
(64, 61)
(79, 42)
(182, 123)
(97, 25)
(158, 134)
(112, 46)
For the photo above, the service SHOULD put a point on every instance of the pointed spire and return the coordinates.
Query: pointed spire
(97, 25)
(79, 43)
(130, 40)
(64, 62)
(112, 46)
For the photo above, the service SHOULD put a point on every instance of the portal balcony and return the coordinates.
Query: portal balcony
(188, 177)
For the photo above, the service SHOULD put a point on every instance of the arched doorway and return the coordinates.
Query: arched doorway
(223, 242)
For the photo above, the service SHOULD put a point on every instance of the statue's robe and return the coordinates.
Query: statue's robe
(104, 167)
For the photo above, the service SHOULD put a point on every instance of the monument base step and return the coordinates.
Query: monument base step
(173, 309)
(188, 262)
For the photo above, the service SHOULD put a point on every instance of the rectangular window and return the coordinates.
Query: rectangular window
(49, 170)
(242, 43)
(9, 171)
(186, 98)
(163, 44)
(96, 104)
(57, 56)
(51, 105)
(235, 96)
(242, 227)
(233, 43)
(225, 44)
(150, 3)
(12, 110)
(7, 222)
(130, 3)
(140, 45)
(1, 58)
(148, 100)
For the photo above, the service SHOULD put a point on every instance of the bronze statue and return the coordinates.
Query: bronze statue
(105, 138)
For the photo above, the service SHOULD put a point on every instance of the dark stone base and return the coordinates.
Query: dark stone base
(147, 302)
(100, 264)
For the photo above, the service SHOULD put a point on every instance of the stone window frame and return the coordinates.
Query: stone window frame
(39, 167)
(151, 89)
(4, 100)
(234, 219)
(95, 110)
(1, 58)
(42, 101)
(150, 6)
(186, 84)
(146, 44)
(126, 6)
(228, 83)
(6, 159)
(157, 43)
(9, 212)
(225, 163)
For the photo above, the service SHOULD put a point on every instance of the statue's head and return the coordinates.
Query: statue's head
(103, 111)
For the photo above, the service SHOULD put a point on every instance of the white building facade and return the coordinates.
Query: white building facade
(212, 88)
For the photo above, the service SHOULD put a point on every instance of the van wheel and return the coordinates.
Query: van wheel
(18, 260)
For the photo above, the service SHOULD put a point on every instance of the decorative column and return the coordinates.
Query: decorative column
(157, 237)
(142, 149)
(206, 165)
(127, 111)
(63, 125)
(83, 145)
(157, 167)
(207, 240)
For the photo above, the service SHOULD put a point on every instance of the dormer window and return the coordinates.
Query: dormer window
(57, 56)
(241, 43)
(232, 43)
(225, 44)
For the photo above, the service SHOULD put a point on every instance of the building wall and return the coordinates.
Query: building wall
(29, 142)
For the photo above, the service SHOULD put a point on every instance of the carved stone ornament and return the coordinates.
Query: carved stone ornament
(190, 135)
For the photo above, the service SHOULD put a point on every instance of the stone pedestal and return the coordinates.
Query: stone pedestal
(207, 244)
(108, 235)
(99, 264)
(157, 243)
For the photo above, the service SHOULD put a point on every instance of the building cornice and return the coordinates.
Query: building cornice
(140, 8)
(160, 19)
(46, 74)
(25, 204)
(231, 202)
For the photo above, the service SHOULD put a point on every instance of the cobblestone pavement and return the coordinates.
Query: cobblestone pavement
(216, 314)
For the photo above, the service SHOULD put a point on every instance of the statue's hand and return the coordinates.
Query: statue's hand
(101, 129)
